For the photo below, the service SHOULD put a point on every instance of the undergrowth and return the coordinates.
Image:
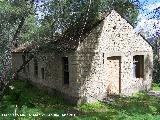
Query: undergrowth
(30, 103)
(156, 87)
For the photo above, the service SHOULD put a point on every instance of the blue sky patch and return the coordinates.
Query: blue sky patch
(149, 18)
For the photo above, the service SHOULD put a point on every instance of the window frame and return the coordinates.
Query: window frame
(65, 63)
(138, 66)
(23, 61)
(43, 73)
(35, 67)
(103, 57)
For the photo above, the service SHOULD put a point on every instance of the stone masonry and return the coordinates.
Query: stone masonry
(102, 64)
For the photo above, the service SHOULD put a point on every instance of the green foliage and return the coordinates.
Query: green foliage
(29, 101)
(156, 69)
(61, 15)
(156, 87)
(58, 17)
(93, 107)
(127, 8)
(29, 30)
(17, 25)
(11, 13)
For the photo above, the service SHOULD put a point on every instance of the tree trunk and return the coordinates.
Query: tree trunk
(17, 33)
(3, 86)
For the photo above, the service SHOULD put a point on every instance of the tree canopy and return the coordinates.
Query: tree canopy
(60, 15)
(21, 21)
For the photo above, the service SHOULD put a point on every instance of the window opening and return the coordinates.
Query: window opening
(138, 66)
(35, 67)
(65, 70)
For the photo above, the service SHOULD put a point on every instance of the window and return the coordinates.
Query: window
(65, 70)
(35, 67)
(42, 72)
(27, 66)
(103, 58)
(138, 66)
(23, 60)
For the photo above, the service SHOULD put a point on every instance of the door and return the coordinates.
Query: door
(114, 75)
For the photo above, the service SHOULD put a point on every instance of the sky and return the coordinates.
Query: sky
(148, 21)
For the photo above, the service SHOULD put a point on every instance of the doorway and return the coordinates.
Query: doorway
(114, 75)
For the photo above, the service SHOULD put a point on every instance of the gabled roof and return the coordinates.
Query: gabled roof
(23, 47)
(69, 40)
(145, 39)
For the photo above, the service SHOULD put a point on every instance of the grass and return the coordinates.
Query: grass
(156, 87)
(34, 104)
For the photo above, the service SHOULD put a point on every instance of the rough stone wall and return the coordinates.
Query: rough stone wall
(53, 78)
(57, 78)
(17, 62)
(53, 73)
(42, 63)
(113, 37)
(89, 67)
(88, 64)
(119, 39)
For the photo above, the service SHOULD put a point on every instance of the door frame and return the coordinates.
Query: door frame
(119, 58)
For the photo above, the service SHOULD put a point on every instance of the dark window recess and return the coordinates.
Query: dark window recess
(27, 66)
(138, 66)
(65, 70)
(42, 72)
(35, 67)
(103, 58)
(23, 60)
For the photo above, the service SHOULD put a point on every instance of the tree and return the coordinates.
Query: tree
(154, 38)
(126, 8)
(62, 15)
(13, 16)
(19, 24)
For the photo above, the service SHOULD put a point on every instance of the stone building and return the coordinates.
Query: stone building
(112, 59)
